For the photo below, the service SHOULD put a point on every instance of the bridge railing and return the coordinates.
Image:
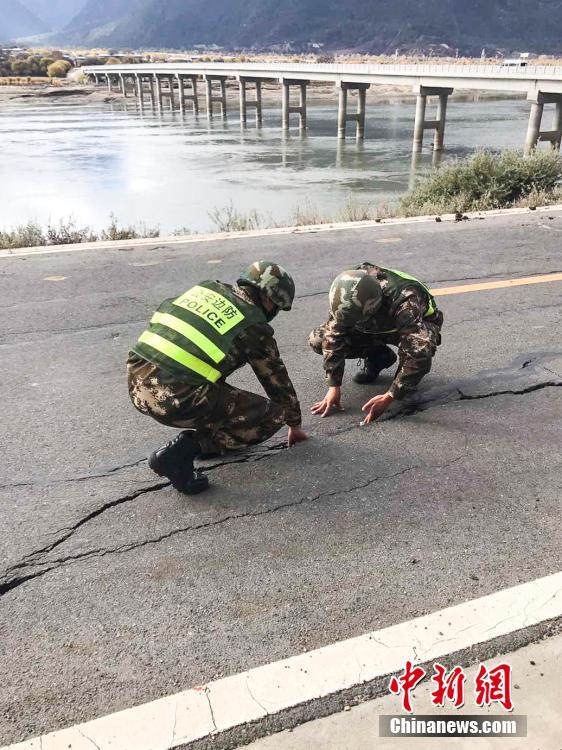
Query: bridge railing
(386, 69)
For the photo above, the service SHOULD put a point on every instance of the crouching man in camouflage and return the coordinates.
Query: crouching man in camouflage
(370, 308)
(177, 371)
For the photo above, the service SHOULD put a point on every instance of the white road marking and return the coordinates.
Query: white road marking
(54, 278)
(249, 696)
(336, 226)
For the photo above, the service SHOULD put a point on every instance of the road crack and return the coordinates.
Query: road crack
(420, 406)
(207, 695)
(33, 558)
(253, 697)
(510, 392)
(83, 478)
(32, 566)
(85, 736)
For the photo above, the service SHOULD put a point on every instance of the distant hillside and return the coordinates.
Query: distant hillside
(104, 22)
(18, 21)
(55, 13)
(367, 25)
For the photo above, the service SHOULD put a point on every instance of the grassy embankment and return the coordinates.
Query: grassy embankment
(480, 182)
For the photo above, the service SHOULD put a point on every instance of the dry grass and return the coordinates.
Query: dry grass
(66, 232)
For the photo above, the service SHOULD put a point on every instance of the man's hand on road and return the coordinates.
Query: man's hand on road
(375, 407)
(296, 435)
(330, 401)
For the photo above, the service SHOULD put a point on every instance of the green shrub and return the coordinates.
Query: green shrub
(67, 233)
(26, 235)
(485, 181)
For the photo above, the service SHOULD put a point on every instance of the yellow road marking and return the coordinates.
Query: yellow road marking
(54, 278)
(500, 284)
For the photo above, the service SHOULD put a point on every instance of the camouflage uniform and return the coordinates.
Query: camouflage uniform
(354, 331)
(224, 418)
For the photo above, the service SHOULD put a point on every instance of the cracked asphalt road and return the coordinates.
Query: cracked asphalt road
(115, 590)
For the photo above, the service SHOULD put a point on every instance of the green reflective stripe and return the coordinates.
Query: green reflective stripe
(191, 333)
(404, 275)
(180, 355)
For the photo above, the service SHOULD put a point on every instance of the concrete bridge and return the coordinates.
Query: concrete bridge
(179, 81)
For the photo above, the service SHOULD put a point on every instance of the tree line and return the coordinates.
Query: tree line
(54, 65)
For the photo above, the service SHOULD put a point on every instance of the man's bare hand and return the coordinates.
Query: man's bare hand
(331, 401)
(375, 407)
(296, 435)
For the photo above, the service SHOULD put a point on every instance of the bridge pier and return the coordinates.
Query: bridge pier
(184, 96)
(211, 97)
(110, 83)
(158, 91)
(129, 84)
(557, 125)
(141, 88)
(534, 132)
(243, 81)
(287, 108)
(359, 117)
(123, 85)
(171, 95)
(421, 124)
(161, 91)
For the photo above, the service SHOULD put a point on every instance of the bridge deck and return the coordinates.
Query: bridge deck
(529, 79)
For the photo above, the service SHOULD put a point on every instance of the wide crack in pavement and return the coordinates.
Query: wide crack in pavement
(41, 568)
(34, 565)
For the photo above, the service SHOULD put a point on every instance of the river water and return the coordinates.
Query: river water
(94, 159)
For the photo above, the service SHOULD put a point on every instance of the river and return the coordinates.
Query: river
(93, 159)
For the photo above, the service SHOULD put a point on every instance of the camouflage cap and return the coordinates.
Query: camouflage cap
(272, 280)
(354, 295)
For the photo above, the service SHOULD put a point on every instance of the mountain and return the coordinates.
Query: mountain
(18, 21)
(55, 13)
(367, 25)
(101, 22)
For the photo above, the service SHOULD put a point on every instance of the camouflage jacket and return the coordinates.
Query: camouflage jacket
(257, 347)
(416, 337)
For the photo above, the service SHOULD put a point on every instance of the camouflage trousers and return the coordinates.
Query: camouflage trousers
(360, 346)
(415, 352)
(222, 417)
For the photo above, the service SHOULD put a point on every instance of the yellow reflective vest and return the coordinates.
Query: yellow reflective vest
(190, 336)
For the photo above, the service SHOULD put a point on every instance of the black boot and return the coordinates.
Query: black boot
(379, 359)
(175, 461)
